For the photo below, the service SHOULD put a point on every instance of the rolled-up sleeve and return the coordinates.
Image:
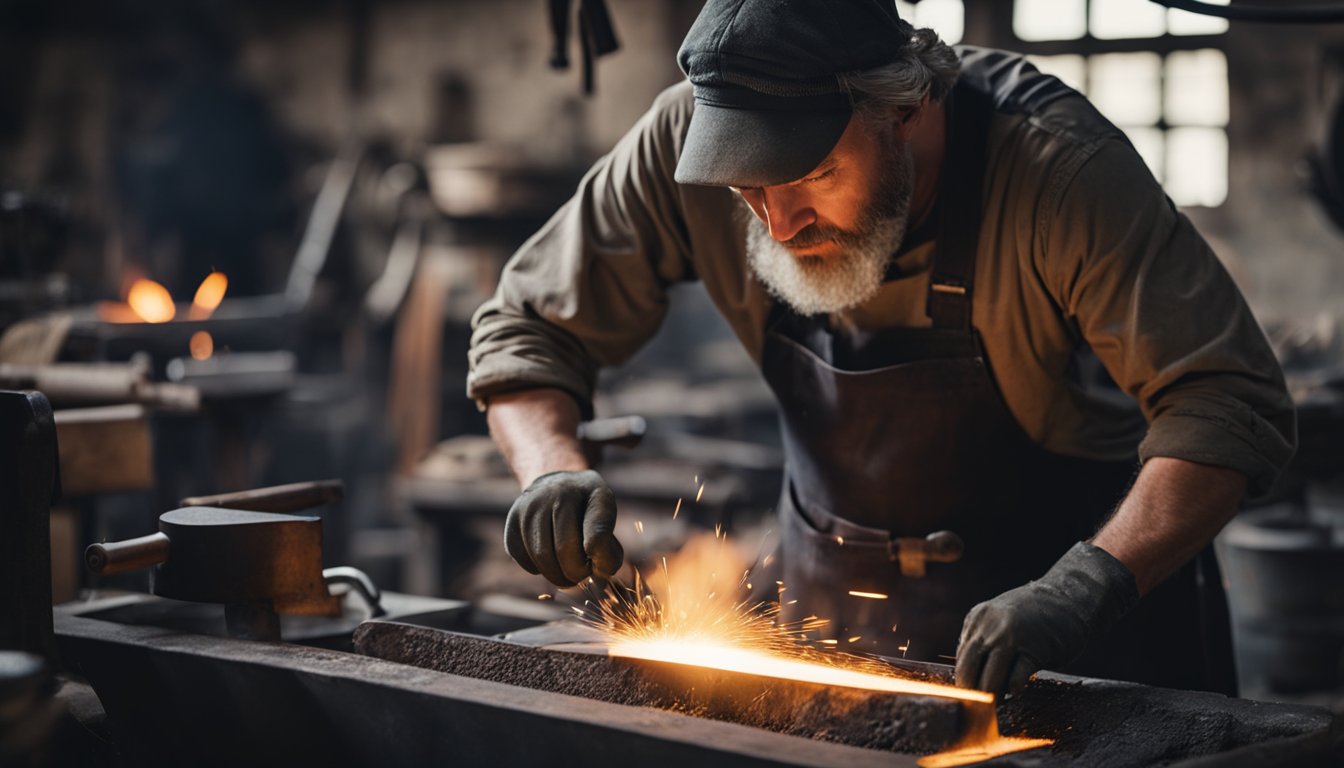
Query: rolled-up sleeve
(1165, 318)
(591, 287)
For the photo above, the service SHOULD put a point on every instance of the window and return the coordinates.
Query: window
(946, 17)
(1169, 93)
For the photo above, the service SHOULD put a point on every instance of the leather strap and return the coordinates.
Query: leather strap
(953, 279)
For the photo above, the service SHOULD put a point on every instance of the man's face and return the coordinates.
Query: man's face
(822, 243)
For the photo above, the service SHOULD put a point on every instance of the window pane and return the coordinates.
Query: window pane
(1113, 19)
(1150, 145)
(1187, 23)
(1049, 19)
(1197, 166)
(1070, 68)
(946, 17)
(1196, 87)
(1126, 87)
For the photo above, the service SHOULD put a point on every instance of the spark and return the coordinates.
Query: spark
(840, 540)
(545, 597)
(700, 493)
(696, 610)
(872, 595)
(766, 562)
(676, 509)
(639, 525)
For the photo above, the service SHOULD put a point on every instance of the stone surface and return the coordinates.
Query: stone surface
(888, 722)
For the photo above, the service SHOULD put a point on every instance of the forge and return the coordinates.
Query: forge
(1090, 722)
(870, 719)
(416, 695)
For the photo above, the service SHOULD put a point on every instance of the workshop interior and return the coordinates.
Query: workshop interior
(250, 515)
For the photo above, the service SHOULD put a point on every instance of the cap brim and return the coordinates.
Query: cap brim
(731, 147)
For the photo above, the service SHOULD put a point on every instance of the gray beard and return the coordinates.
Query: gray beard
(813, 285)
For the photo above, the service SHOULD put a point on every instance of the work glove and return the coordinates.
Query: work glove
(563, 527)
(1045, 623)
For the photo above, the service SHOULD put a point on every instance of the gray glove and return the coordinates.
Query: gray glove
(562, 527)
(1045, 623)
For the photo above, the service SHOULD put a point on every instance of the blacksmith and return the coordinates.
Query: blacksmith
(983, 321)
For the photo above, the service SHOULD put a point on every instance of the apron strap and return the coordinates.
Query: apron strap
(963, 172)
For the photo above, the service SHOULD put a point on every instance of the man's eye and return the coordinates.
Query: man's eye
(820, 176)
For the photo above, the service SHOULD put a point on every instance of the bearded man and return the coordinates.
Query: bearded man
(1019, 395)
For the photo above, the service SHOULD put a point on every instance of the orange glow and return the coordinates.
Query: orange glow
(976, 752)
(208, 296)
(724, 656)
(151, 301)
(202, 345)
(980, 740)
(117, 312)
(694, 611)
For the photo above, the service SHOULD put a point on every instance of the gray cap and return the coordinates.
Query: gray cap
(768, 105)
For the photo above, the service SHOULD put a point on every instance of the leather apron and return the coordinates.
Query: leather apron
(896, 434)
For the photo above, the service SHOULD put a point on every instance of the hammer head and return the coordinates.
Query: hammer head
(237, 556)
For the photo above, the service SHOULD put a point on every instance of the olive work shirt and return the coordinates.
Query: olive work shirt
(1081, 257)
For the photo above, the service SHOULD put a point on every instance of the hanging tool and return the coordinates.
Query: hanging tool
(597, 36)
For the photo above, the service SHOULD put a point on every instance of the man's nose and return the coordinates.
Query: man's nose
(781, 210)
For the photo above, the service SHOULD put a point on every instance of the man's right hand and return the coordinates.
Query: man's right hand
(563, 527)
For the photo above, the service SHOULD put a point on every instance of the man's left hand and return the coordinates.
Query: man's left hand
(1045, 623)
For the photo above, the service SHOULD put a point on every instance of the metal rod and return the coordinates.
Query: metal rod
(277, 498)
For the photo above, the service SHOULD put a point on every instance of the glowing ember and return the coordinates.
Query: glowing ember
(202, 345)
(980, 741)
(872, 595)
(729, 658)
(981, 750)
(209, 294)
(151, 301)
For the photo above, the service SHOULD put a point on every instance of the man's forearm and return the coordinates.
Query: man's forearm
(536, 430)
(1174, 509)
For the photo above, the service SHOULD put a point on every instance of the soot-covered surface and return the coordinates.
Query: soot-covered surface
(1107, 724)
(888, 722)
(1096, 723)
(1110, 724)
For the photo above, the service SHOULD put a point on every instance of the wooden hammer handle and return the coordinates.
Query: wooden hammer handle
(120, 556)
